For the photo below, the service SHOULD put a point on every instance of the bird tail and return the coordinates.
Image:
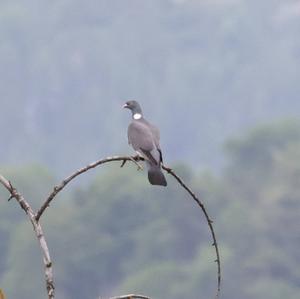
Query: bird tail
(155, 175)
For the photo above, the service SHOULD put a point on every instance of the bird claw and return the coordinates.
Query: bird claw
(134, 159)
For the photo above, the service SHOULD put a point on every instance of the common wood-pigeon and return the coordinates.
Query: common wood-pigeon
(144, 138)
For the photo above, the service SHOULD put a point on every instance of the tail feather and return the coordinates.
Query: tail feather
(156, 176)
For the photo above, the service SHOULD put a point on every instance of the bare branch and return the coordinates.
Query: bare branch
(209, 222)
(38, 232)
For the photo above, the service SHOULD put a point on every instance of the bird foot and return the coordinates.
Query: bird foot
(138, 158)
(135, 160)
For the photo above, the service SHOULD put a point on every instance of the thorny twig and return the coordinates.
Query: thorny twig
(209, 222)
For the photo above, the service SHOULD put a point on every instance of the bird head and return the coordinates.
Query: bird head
(135, 108)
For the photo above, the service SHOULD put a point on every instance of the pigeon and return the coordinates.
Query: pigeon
(144, 138)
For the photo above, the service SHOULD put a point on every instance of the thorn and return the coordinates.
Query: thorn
(123, 163)
(48, 265)
(213, 244)
(11, 186)
(10, 198)
(216, 261)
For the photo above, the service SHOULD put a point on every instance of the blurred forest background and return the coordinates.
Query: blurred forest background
(221, 80)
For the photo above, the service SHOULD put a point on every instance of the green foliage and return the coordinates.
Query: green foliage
(118, 234)
(23, 263)
(157, 281)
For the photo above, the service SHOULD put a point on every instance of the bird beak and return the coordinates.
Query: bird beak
(125, 106)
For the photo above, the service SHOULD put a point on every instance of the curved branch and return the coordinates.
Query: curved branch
(38, 232)
(209, 222)
(124, 159)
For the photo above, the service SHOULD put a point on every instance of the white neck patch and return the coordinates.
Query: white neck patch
(137, 116)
